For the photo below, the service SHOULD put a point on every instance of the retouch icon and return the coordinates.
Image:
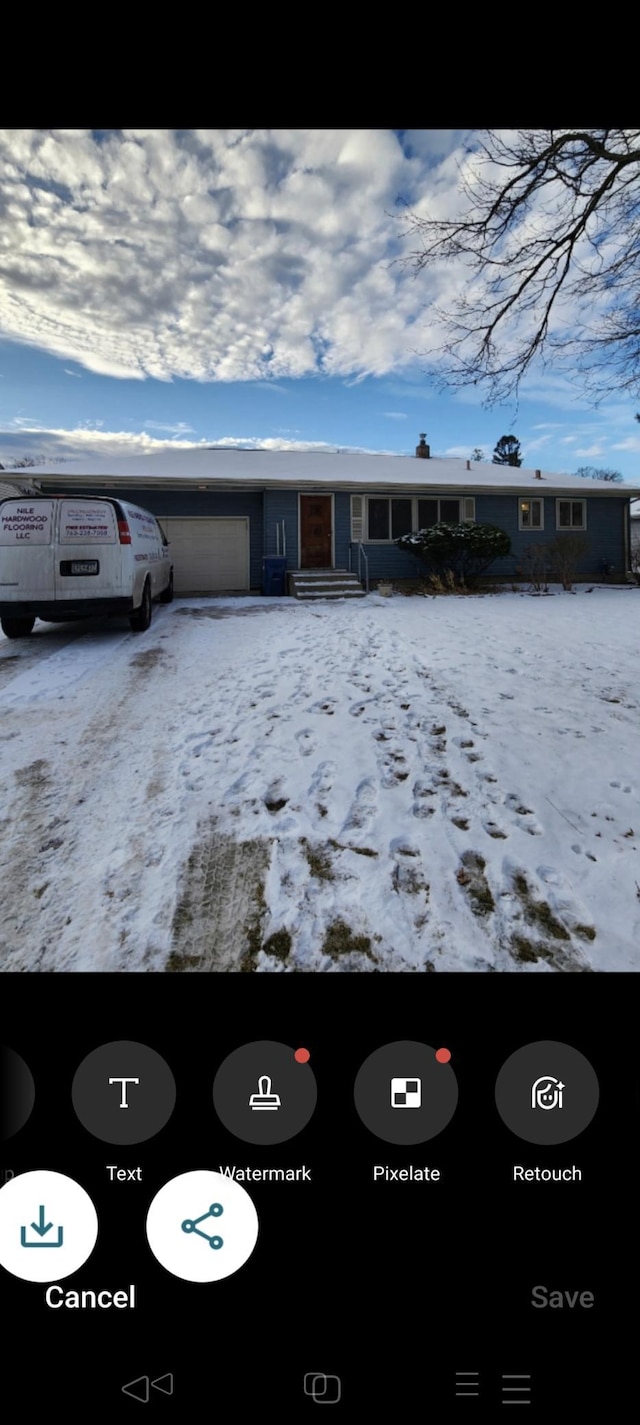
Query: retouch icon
(547, 1092)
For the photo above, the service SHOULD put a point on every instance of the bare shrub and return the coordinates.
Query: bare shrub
(565, 553)
(535, 567)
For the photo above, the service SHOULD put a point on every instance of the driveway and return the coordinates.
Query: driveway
(263, 785)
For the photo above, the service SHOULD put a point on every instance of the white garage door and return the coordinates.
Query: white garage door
(209, 555)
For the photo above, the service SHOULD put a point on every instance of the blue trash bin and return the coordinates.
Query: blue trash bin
(274, 575)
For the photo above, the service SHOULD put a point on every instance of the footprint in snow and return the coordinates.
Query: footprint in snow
(424, 795)
(526, 818)
(306, 742)
(564, 904)
(408, 876)
(363, 807)
(322, 780)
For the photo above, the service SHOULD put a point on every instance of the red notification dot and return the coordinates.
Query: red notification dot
(443, 1055)
(302, 1056)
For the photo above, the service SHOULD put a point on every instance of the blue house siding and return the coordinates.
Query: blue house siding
(604, 532)
(605, 535)
(342, 529)
(279, 506)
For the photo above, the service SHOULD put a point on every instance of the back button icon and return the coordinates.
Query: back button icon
(138, 1389)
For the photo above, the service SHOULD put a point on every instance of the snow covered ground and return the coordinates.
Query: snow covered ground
(398, 783)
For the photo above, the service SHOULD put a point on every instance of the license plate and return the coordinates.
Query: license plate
(84, 566)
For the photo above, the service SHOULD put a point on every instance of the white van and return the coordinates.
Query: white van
(63, 558)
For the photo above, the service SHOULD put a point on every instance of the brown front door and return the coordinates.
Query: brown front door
(315, 532)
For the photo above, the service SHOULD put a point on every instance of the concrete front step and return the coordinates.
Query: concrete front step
(324, 584)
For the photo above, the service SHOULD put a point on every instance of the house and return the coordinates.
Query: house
(322, 514)
(11, 487)
(635, 536)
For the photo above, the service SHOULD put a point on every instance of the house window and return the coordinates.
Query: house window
(530, 514)
(381, 520)
(431, 512)
(571, 514)
(388, 519)
(401, 518)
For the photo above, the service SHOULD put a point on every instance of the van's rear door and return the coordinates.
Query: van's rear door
(89, 555)
(27, 554)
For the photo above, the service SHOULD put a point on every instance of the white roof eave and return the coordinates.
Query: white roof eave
(534, 487)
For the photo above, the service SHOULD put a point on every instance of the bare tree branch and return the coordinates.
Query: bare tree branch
(547, 238)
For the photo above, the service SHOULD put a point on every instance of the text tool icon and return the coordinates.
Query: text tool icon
(406, 1093)
(123, 1092)
(264, 1098)
(123, 1082)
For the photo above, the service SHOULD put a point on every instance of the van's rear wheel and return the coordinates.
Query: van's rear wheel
(141, 619)
(166, 596)
(17, 627)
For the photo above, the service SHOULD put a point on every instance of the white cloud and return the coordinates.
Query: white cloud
(395, 415)
(77, 374)
(243, 255)
(231, 255)
(59, 443)
(631, 443)
(539, 442)
(180, 427)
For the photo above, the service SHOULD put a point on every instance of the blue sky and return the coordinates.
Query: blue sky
(242, 287)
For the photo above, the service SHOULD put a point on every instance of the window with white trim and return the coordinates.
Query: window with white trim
(530, 514)
(379, 519)
(571, 514)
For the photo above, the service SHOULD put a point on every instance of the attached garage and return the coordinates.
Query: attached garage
(209, 555)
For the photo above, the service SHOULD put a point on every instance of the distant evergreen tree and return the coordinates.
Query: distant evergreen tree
(507, 451)
(477, 453)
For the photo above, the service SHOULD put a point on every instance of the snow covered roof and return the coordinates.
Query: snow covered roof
(233, 467)
(635, 509)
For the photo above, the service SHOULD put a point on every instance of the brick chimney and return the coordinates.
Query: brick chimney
(422, 450)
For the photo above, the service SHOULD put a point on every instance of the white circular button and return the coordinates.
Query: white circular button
(48, 1226)
(202, 1226)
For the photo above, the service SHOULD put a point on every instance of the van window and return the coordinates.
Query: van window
(87, 521)
(141, 522)
(26, 522)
